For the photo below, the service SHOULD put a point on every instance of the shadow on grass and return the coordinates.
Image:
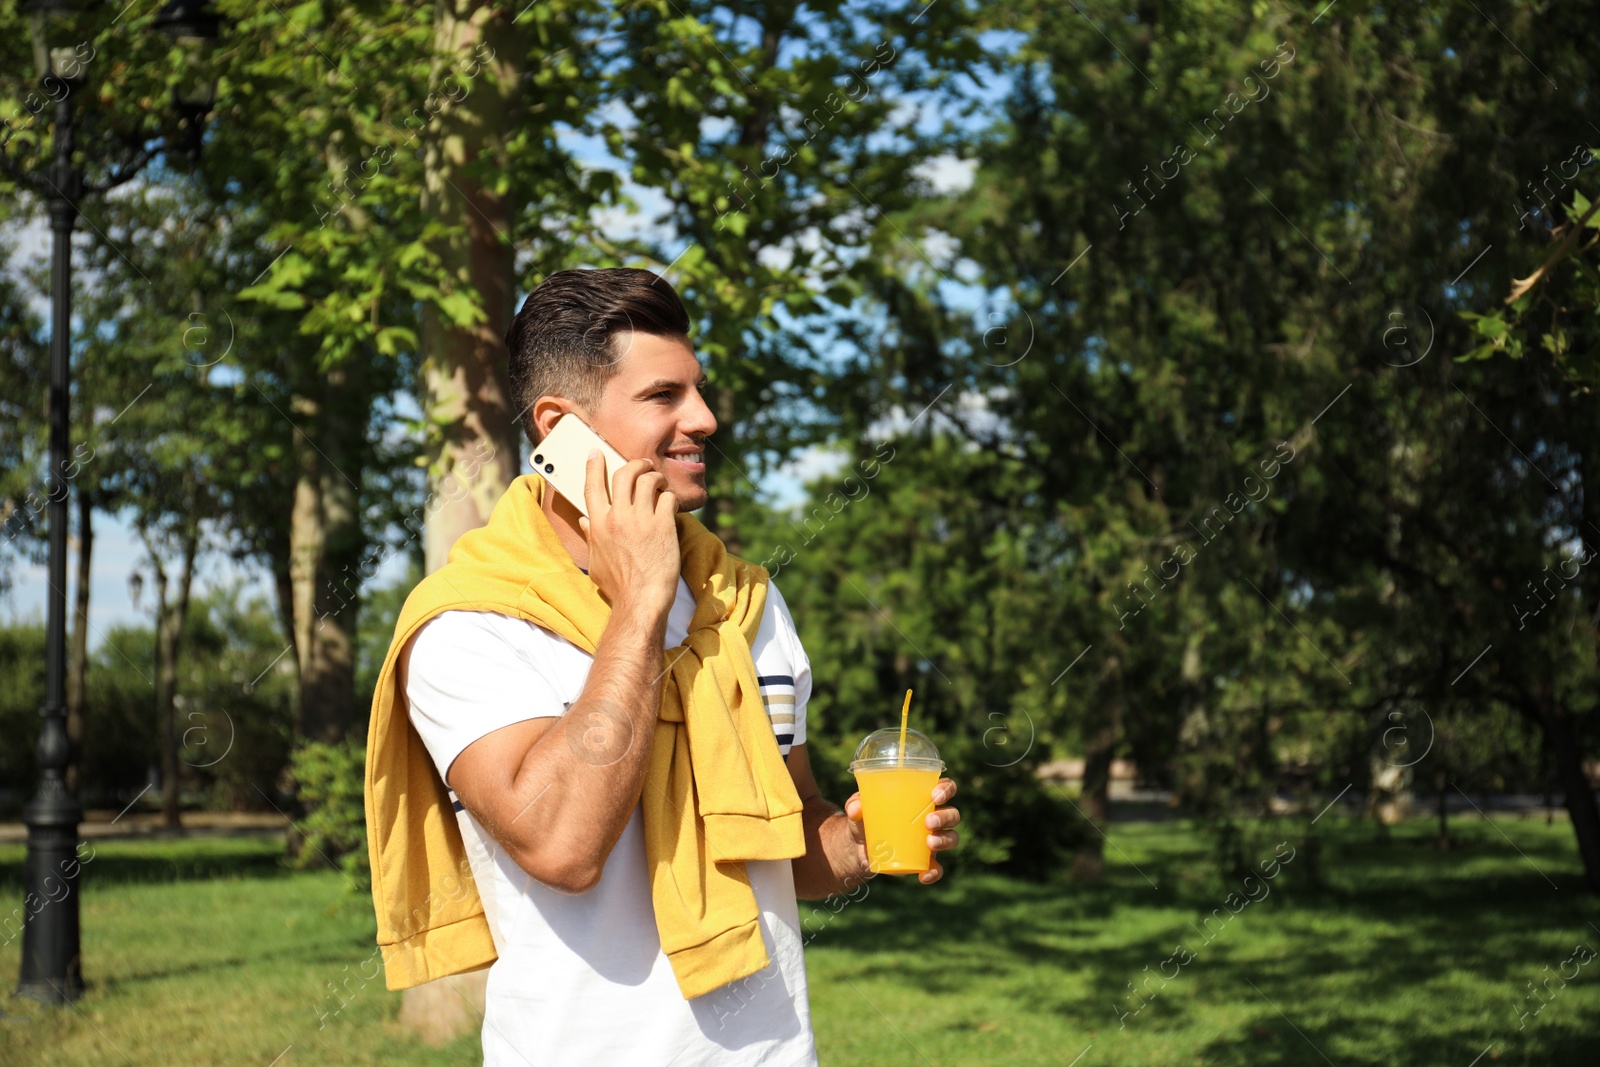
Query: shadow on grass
(1395, 926)
(1271, 1040)
(227, 967)
(144, 863)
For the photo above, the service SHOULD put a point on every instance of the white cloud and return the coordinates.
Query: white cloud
(786, 484)
(947, 173)
(973, 410)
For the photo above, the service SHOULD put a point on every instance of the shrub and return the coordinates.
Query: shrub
(331, 780)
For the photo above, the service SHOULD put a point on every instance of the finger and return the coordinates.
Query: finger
(943, 790)
(622, 483)
(583, 522)
(932, 874)
(594, 485)
(944, 841)
(943, 819)
(667, 503)
(647, 486)
(852, 807)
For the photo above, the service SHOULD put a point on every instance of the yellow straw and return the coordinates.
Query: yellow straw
(905, 716)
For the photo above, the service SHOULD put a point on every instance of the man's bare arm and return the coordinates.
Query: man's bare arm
(835, 859)
(556, 793)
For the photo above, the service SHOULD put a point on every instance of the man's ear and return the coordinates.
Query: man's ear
(547, 409)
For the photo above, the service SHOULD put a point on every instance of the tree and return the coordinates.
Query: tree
(22, 488)
(1143, 349)
(909, 568)
(1201, 361)
(776, 137)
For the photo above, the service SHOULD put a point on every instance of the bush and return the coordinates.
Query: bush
(22, 668)
(331, 780)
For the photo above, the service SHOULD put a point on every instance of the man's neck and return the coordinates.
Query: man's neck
(564, 518)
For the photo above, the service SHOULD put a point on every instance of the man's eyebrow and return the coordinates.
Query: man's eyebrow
(671, 383)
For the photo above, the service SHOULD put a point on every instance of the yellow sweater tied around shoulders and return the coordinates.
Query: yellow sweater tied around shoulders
(716, 793)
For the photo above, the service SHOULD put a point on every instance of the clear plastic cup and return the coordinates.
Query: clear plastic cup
(896, 797)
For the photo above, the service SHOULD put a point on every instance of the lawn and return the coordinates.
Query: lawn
(206, 952)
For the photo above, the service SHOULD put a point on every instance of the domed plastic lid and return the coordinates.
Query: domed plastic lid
(881, 748)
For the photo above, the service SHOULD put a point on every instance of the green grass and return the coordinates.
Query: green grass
(206, 952)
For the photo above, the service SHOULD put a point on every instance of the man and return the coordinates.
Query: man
(553, 755)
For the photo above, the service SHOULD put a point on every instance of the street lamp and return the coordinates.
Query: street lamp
(51, 969)
(196, 25)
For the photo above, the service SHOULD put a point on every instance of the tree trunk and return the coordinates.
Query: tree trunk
(78, 664)
(170, 618)
(1194, 727)
(474, 445)
(324, 543)
(1581, 807)
(1443, 841)
(1101, 734)
(1390, 799)
(283, 586)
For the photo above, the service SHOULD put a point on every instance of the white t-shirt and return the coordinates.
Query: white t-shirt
(581, 978)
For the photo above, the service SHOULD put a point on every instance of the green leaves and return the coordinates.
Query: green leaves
(1496, 335)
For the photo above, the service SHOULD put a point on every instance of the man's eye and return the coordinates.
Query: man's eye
(667, 393)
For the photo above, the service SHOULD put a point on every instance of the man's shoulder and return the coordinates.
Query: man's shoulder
(460, 622)
(778, 634)
(464, 640)
(780, 605)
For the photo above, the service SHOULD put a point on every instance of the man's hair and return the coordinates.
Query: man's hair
(563, 341)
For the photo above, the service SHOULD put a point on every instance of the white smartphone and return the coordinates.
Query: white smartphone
(563, 458)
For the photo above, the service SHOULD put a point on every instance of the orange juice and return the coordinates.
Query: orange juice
(895, 802)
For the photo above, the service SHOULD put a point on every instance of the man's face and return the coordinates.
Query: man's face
(652, 409)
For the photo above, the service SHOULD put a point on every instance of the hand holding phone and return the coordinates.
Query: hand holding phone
(629, 518)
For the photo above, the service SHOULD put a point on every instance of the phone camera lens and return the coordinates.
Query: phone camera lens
(538, 459)
(549, 467)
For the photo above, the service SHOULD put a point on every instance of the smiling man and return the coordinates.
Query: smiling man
(638, 890)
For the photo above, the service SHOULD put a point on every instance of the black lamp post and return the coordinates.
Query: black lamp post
(194, 22)
(51, 969)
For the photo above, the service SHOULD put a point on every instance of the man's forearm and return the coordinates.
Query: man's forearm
(831, 864)
(588, 770)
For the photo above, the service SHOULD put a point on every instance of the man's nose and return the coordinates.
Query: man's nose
(697, 419)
